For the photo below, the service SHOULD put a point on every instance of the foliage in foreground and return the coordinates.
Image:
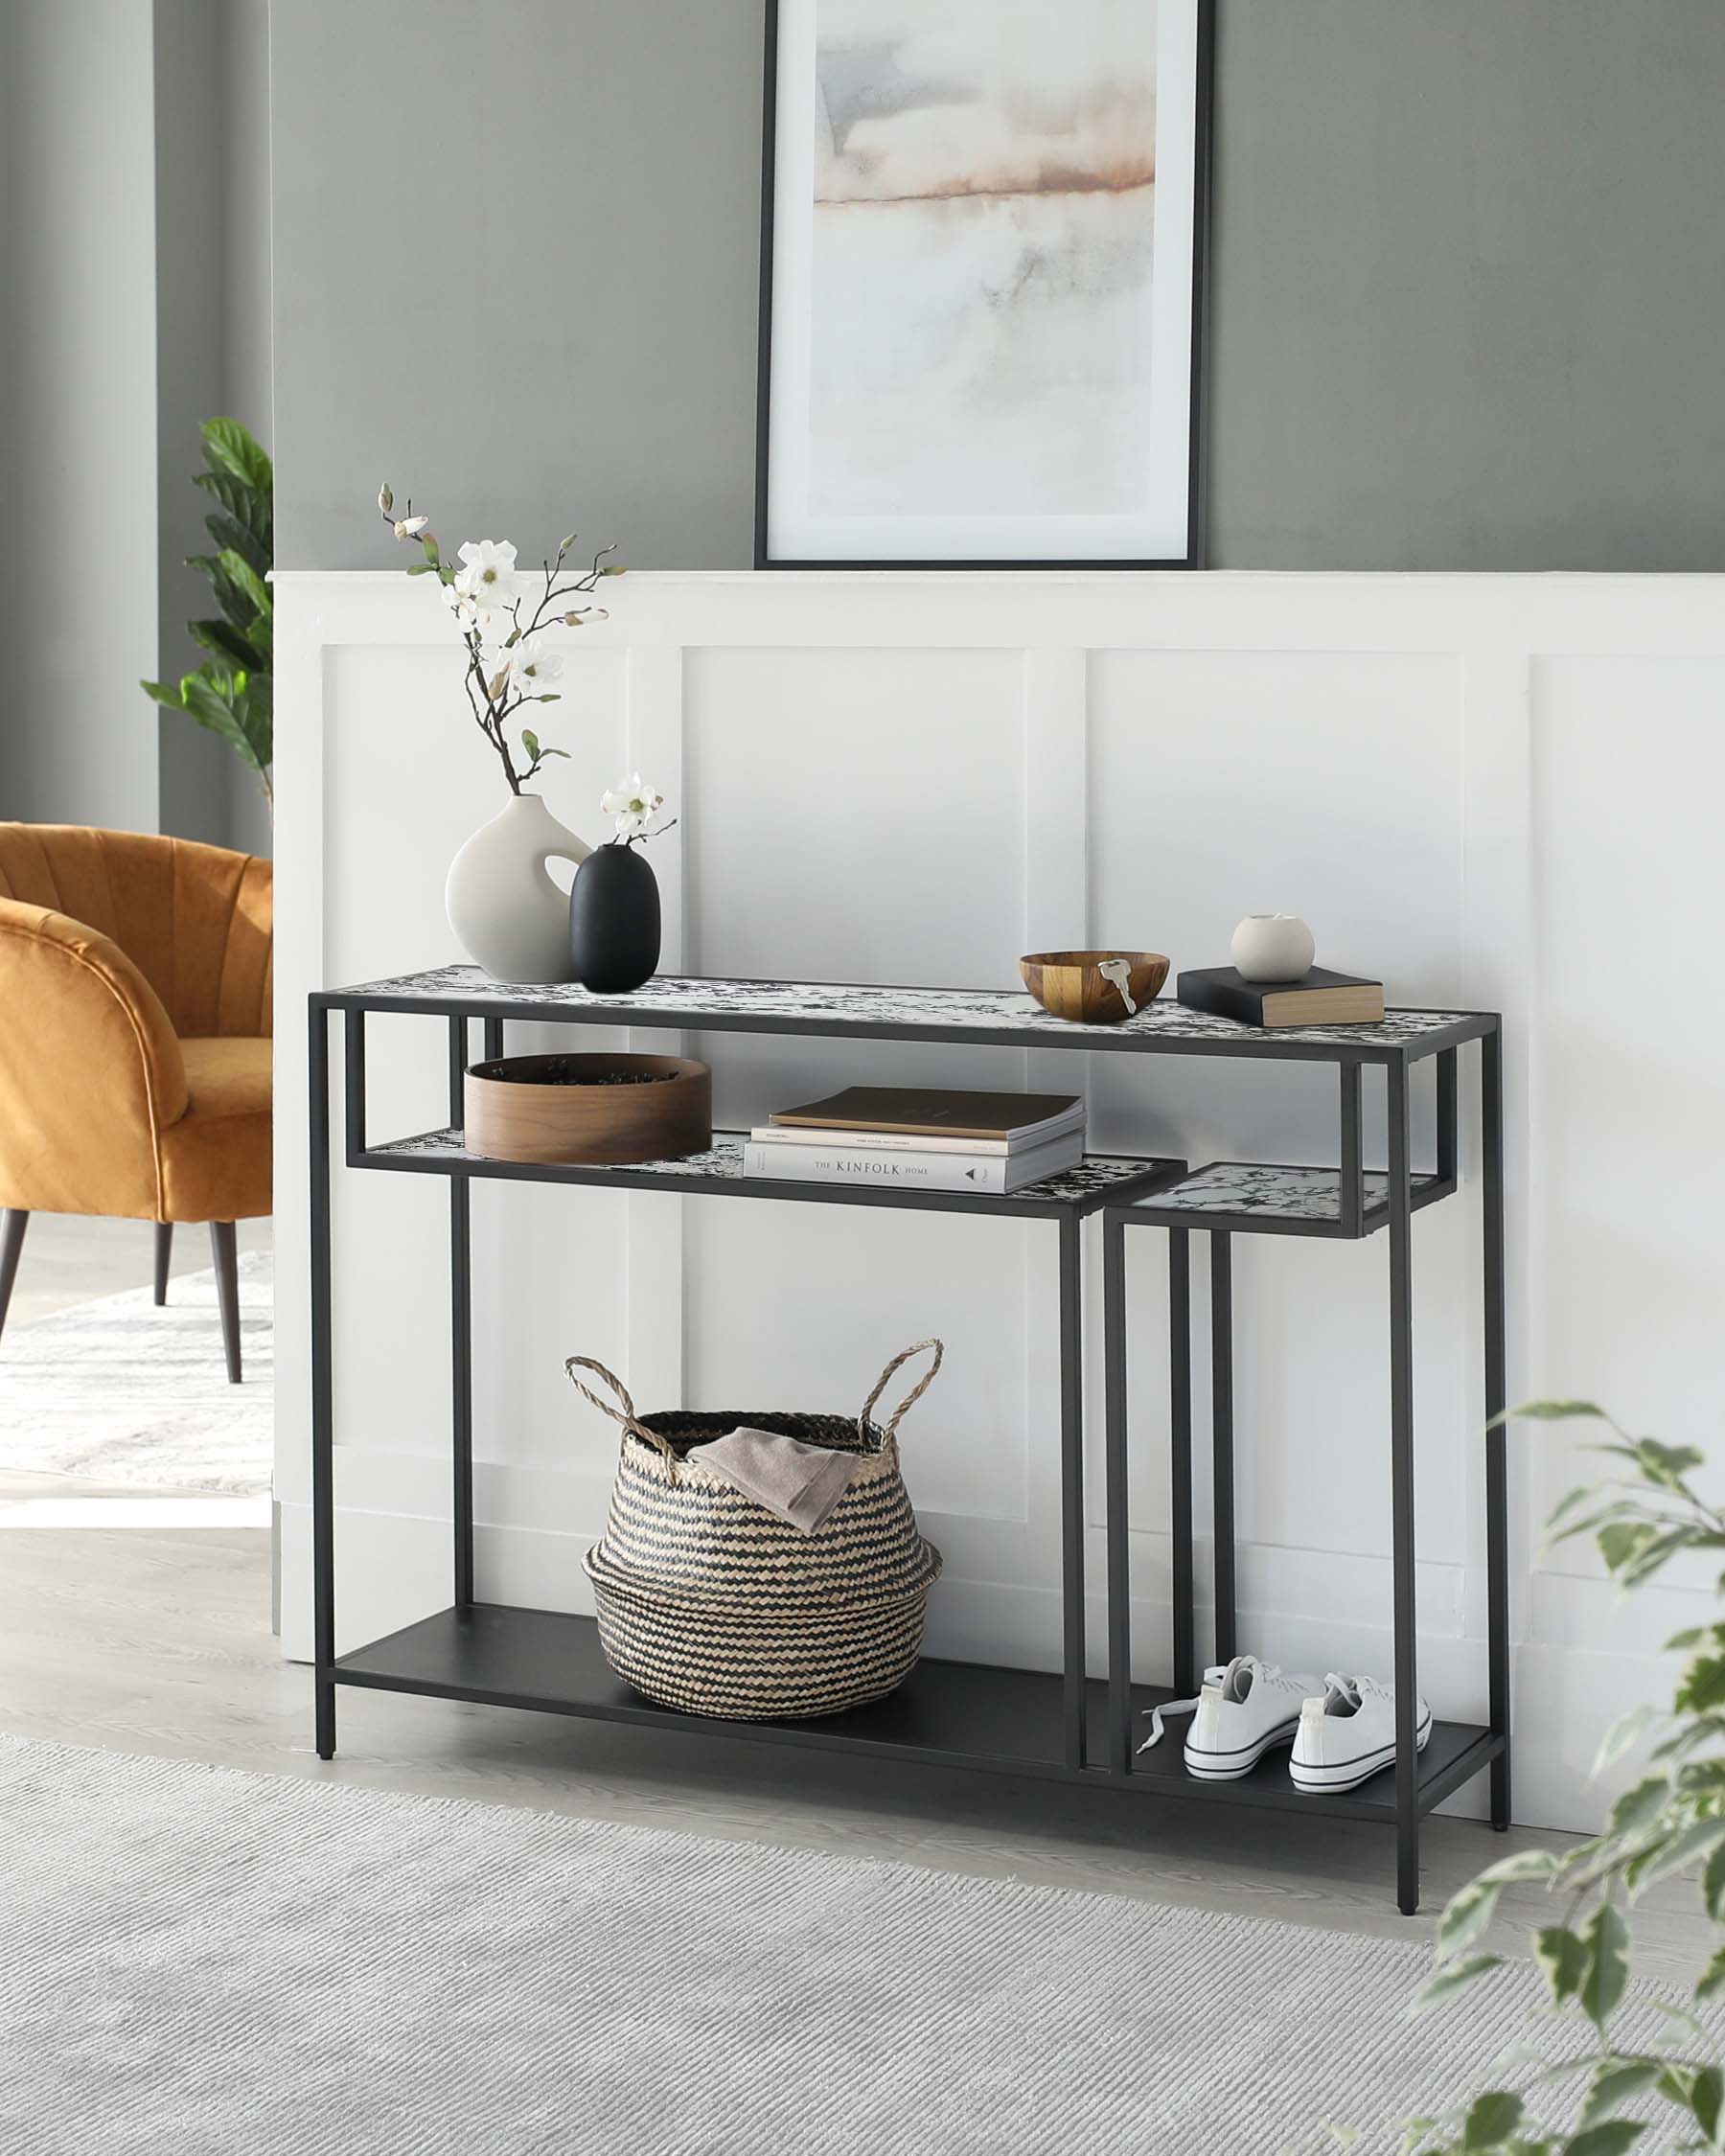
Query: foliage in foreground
(1672, 1821)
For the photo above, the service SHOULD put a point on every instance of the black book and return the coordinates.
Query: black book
(1319, 998)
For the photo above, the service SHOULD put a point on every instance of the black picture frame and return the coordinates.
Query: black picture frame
(1198, 459)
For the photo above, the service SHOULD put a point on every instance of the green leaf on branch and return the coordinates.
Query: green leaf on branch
(1456, 1977)
(245, 579)
(1606, 1939)
(229, 447)
(1706, 2092)
(1622, 1540)
(1696, 1840)
(1711, 1980)
(165, 693)
(1640, 1806)
(1554, 1410)
(530, 742)
(225, 642)
(1611, 2139)
(1666, 1464)
(1492, 2119)
(1562, 1958)
(1622, 1734)
(1613, 2084)
(1702, 1688)
(233, 538)
(421, 568)
(244, 504)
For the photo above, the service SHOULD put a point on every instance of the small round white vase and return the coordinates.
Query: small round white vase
(508, 915)
(1271, 947)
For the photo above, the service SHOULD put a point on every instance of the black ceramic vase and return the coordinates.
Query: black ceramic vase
(614, 920)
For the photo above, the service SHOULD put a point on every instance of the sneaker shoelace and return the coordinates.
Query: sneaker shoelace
(1267, 1673)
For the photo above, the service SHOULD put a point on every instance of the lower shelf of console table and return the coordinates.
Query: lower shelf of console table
(945, 1713)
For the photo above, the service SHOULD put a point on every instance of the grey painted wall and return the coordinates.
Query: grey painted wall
(78, 741)
(1468, 296)
(134, 253)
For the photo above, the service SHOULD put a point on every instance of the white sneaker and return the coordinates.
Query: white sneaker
(1246, 1708)
(1348, 1734)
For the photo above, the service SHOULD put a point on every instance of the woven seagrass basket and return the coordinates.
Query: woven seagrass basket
(709, 1602)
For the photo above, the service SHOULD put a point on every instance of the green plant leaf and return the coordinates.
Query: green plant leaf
(1706, 2092)
(562, 752)
(229, 447)
(421, 568)
(1622, 1541)
(246, 505)
(1613, 2084)
(1492, 2119)
(166, 693)
(1554, 1410)
(225, 641)
(1666, 1464)
(260, 631)
(1562, 1959)
(1711, 1980)
(1622, 1734)
(1606, 1937)
(1696, 1840)
(530, 742)
(1703, 1685)
(1639, 1807)
(1611, 2139)
(1455, 1977)
(232, 538)
(245, 579)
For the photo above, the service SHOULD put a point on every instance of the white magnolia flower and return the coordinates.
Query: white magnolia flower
(488, 568)
(632, 804)
(534, 667)
(410, 527)
(467, 610)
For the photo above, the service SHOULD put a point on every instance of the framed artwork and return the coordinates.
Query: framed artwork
(981, 284)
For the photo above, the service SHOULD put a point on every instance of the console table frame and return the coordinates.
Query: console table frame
(1067, 1727)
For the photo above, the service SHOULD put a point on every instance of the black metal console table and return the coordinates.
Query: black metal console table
(1012, 1721)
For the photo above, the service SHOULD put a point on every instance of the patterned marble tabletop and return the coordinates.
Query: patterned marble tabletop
(1261, 1189)
(1097, 1176)
(839, 1007)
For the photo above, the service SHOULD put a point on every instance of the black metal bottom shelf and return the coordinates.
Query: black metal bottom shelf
(945, 1713)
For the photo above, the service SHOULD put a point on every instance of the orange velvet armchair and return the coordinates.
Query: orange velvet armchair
(134, 1039)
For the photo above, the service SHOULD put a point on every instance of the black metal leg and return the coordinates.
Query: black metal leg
(1119, 1546)
(494, 1038)
(1179, 1475)
(164, 1258)
(1353, 1174)
(12, 1225)
(1222, 1437)
(1496, 1493)
(1072, 1489)
(323, 1425)
(228, 1291)
(460, 1336)
(1401, 1501)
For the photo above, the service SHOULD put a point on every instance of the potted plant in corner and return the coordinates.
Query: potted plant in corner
(615, 905)
(507, 913)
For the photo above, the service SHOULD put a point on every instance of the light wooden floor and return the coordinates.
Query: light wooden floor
(154, 1638)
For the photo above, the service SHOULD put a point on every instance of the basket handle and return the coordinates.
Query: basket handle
(916, 1391)
(630, 1420)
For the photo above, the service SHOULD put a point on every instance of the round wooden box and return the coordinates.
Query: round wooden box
(595, 1111)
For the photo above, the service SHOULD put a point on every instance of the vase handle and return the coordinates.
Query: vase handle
(563, 845)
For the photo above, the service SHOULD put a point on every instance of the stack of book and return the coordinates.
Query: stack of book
(1319, 998)
(921, 1138)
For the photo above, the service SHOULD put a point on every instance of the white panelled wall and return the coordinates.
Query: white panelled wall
(1498, 791)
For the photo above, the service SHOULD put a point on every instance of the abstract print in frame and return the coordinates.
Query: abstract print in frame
(981, 279)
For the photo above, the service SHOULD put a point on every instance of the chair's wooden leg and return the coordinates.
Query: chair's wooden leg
(12, 1225)
(228, 1291)
(164, 1253)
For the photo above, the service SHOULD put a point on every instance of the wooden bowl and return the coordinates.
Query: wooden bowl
(598, 1111)
(1071, 984)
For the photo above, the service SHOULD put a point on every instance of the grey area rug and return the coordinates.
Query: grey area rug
(214, 1963)
(123, 1393)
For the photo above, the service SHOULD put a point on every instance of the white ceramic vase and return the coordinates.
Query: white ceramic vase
(1270, 947)
(507, 913)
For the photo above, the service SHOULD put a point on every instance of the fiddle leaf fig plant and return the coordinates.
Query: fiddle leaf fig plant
(232, 692)
(1669, 1821)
